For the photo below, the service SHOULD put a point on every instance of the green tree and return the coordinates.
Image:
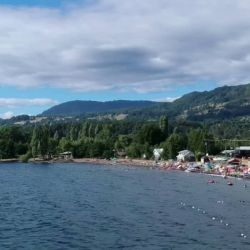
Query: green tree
(122, 142)
(196, 140)
(173, 145)
(40, 141)
(34, 142)
(150, 134)
(164, 125)
(134, 150)
(65, 145)
(44, 141)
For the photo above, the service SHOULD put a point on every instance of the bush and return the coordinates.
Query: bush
(25, 158)
(198, 155)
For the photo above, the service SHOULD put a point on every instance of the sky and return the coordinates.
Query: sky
(52, 51)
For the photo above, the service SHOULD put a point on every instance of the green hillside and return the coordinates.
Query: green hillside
(218, 104)
(74, 108)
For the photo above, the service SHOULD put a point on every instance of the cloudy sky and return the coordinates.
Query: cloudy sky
(53, 51)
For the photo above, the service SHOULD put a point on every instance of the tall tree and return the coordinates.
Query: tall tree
(173, 145)
(150, 134)
(164, 125)
(34, 142)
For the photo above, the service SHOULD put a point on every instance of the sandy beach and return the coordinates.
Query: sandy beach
(124, 162)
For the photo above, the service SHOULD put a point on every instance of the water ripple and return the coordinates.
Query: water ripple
(99, 207)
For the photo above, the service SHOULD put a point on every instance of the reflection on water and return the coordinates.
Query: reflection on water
(71, 206)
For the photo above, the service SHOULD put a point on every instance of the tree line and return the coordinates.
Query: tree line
(108, 139)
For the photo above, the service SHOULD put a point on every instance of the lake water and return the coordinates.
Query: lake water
(78, 206)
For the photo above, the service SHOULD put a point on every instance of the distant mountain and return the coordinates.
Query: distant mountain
(222, 103)
(74, 108)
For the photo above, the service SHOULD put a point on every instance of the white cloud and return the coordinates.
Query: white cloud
(14, 102)
(171, 99)
(167, 99)
(132, 45)
(7, 115)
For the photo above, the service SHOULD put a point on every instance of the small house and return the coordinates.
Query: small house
(242, 152)
(186, 155)
(66, 155)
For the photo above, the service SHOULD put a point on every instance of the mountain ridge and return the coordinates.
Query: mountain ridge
(222, 102)
(226, 102)
(80, 107)
(219, 103)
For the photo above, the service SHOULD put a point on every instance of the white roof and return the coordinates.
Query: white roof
(158, 150)
(227, 151)
(66, 153)
(185, 152)
(243, 148)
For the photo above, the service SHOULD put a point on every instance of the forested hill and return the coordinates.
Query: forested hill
(84, 107)
(222, 114)
(220, 103)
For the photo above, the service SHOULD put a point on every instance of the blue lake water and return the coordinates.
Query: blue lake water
(80, 206)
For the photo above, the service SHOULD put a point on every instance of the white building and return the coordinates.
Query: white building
(158, 153)
(66, 155)
(243, 151)
(185, 155)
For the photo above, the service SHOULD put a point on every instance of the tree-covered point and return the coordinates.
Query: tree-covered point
(110, 138)
(13, 141)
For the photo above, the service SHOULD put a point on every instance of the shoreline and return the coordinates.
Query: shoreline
(123, 162)
(96, 161)
(150, 164)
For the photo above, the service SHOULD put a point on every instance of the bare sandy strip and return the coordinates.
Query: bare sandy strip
(126, 162)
